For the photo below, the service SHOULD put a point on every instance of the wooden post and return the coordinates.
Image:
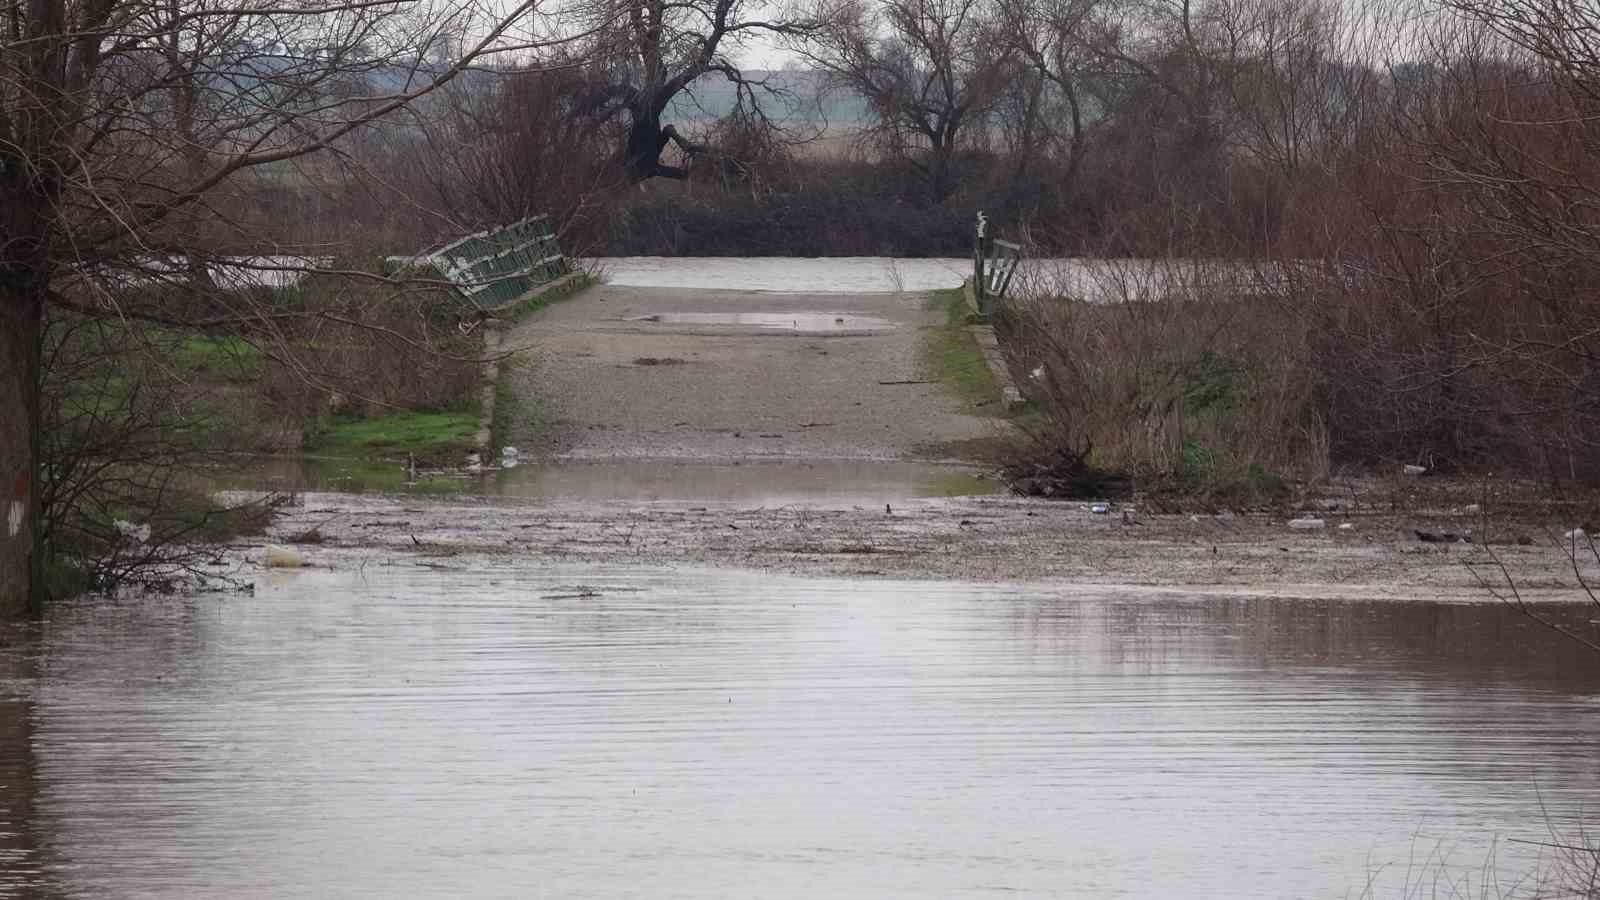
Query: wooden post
(979, 282)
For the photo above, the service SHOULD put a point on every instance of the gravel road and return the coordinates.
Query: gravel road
(629, 373)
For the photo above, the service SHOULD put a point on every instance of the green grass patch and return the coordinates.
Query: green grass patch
(443, 437)
(950, 355)
(516, 419)
(288, 475)
(229, 358)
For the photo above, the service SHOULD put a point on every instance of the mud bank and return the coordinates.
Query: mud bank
(981, 539)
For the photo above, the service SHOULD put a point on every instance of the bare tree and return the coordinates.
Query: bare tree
(930, 70)
(123, 125)
(648, 53)
(1047, 103)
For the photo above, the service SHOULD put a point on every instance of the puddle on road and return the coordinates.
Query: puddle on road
(607, 731)
(805, 322)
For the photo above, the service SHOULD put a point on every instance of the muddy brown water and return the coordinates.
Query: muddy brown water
(802, 322)
(766, 482)
(602, 731)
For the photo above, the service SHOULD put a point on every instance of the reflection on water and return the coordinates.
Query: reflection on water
(769, 483)
(22, 870)
(618, 732)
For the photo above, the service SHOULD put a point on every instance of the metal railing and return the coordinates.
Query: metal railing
(495, 267)
(993, 263)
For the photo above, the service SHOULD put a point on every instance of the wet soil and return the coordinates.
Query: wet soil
(998, 538)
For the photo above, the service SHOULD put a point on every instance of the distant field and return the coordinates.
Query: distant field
(801, 98)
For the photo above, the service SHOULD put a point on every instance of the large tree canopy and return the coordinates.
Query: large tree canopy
(649, 52)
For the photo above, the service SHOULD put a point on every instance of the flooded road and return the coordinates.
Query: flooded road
(769, 483)
(604, 731)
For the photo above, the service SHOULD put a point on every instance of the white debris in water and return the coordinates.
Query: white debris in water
(14, 517)
(283, 558)
(1307, 524)
(509, 451)
(1576, 534)
(1415, 470)
(1473, 509)
(1100, 509)
(139, 534)
(1347, 527)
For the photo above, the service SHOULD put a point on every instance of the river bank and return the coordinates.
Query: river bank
(978, 539)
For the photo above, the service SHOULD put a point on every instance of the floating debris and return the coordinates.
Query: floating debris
(283, 558)
(1307, 523)
(311, 535)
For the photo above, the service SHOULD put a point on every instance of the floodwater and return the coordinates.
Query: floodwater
(478, 726)
(617, 732)
(1095, 280)
(814, 482)
(849, 274)
(803, 322)
(765, 483)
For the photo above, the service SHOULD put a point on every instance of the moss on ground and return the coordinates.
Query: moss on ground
(951, 355)
(431, 436)
(230, 359)
(516, 418)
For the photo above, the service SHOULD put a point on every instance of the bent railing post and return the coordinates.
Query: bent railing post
(979, 282)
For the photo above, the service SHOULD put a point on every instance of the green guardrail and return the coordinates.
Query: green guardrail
(496, 267)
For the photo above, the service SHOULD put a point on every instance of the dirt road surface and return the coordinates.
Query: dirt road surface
(627, 372)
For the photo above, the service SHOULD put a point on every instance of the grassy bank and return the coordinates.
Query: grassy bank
(433, 437)
(951, 355)
(421, 404)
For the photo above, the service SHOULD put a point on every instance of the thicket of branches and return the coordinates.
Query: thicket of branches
(138, 140)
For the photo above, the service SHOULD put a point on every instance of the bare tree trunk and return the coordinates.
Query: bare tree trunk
(21, 566)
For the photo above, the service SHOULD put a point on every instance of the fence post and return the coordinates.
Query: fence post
(979, 282)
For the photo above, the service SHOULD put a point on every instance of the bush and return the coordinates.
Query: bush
(1184, 378)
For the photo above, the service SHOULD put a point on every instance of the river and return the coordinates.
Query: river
(617, 732)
